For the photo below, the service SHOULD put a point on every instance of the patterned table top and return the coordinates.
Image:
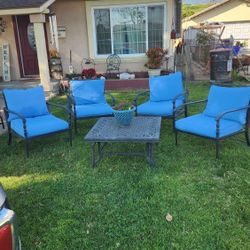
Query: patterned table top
(141, 129)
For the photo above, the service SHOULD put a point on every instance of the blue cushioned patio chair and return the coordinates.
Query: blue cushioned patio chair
(86, 99)
(226, 114)
(28, 116)
(166, 93)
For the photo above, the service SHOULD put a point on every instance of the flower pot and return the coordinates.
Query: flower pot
(124, 117)
(154, 72)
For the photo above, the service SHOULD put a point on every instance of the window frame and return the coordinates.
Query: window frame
(111, 28)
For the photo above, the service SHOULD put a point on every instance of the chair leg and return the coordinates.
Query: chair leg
(75, 124)
(247, 137)
(70, 137)
(176, 137)
(217, 149)
(173, 124)
(10, 137)
(186, 111)
(27, 147)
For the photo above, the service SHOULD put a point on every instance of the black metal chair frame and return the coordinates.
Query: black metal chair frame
(72, 107)
(183, 110)
(2, 122)
(26, 138)
(218, 118)
(111, 65)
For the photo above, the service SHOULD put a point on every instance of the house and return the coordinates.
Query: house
(81, 29)
(234, 15)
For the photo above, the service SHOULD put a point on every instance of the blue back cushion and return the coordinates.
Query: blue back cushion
(165, 88)
(221, 99)
(27, 102)
(88, 91)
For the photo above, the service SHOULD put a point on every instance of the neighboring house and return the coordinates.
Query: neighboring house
(92, 29)
(234, 14)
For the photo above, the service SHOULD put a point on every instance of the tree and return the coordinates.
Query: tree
(190, 9)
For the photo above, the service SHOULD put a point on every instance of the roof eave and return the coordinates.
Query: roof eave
(22, 11)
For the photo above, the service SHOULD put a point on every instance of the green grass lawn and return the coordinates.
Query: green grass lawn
(63, 203)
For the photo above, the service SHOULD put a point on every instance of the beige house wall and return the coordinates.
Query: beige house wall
(232, 11)
(9, 37)
(71, 15)
(76, 17)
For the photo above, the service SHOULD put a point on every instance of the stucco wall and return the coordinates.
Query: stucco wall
(71, 15)
(8, 37)
(79, 32)
(233, 11)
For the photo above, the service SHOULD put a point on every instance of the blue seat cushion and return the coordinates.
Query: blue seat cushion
(88, 91)
(93, 110)
(165, 88)
(40, 125)
(27, 102)
(221, 99)
(164, 108)
(206, 126)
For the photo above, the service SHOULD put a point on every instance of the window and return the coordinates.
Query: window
(129, 29)
(103, 31)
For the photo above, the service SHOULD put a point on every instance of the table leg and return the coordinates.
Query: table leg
(99, 148)
(95, 159)
(149, 154)
(93, 162)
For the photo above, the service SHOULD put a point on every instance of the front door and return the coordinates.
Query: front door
(26, 46)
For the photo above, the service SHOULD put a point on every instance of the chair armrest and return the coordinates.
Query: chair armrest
(15, 113)
(218, 118)
(58, 106)
(71, 100)
(138, 95)
(65, 108)
(190, 103)
(179, 110)
(112, 98)
(21, 117)
(184, 94)
(230, 111)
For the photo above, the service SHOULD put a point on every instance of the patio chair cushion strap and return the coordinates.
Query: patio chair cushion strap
(27, 102)
(40, 125)
(221, 99)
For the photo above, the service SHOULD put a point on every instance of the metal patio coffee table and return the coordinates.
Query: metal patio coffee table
(141, 130)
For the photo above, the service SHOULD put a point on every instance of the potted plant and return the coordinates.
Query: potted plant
(123, 113)
(155, 60)
(89, 73)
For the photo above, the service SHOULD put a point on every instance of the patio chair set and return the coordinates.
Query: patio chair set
(227, 111)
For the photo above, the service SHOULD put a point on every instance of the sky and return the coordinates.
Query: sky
(201, 1)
